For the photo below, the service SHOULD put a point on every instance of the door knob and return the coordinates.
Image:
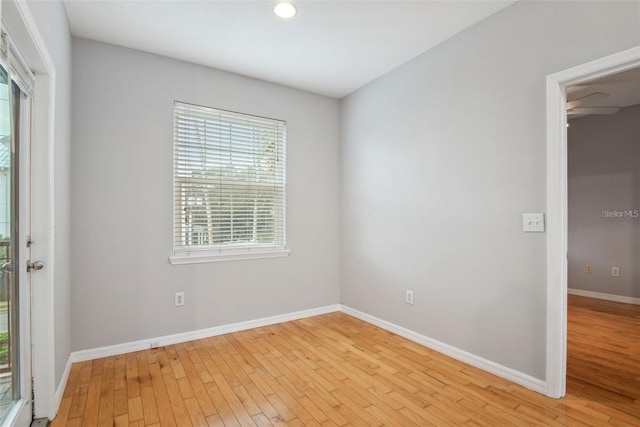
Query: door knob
(36, 265)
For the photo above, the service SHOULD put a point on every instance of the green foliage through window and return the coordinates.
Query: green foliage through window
(4, 348)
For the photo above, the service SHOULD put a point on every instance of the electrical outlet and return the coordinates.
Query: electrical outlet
(615, 271)
(588, 269)
(409, 297)
(179, 299)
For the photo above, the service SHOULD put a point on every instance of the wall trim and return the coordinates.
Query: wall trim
(117, 349)
(62, 385)
(607, 297)
(512, 375)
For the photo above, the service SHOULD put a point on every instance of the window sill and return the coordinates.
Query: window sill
(204, 258)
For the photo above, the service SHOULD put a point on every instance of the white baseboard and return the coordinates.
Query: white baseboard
(62, 386)
(473, 360)
(113, 350)
(608, 297)
(512, 375)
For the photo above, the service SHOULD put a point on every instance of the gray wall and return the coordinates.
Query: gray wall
(51, 20)
(604, 174)
(121, 174)
(440, 159)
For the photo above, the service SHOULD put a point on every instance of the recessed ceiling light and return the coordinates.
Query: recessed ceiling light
(285, 10)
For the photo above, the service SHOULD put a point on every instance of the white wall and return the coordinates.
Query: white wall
(51, 20)
(123, 284)
(440, 159)
(604, 174)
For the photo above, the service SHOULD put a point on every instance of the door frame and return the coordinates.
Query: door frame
(557, 202)
(25, 32)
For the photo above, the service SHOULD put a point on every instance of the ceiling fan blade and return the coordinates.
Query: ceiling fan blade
(596, 96)
(593, 110)
(572, 89)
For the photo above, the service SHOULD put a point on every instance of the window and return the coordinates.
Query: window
(229, 178)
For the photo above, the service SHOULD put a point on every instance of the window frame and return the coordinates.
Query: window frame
(186, 254)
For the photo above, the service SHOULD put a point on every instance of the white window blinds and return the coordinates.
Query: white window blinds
(229, 182)
(14, 62)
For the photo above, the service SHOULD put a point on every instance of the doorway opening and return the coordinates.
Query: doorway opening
(557, 204)
(603, 138)
(603, 159)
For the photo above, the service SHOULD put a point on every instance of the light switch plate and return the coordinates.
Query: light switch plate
(533, 222)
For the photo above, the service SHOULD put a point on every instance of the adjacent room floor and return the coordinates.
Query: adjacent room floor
(336, 370)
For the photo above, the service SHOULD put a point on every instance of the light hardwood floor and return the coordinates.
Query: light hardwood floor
(336, 370)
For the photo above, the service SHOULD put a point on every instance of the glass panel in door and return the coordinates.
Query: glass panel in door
(9, 357)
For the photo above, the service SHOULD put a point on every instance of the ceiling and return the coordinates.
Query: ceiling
(621, 90)
(329, 47)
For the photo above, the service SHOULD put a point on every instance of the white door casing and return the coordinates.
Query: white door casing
(557, 200)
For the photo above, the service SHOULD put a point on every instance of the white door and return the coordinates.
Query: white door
(16, 405)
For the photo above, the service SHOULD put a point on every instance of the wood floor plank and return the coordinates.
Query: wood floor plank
(135, 409)
(72, 383)
(121, 421)
(390, 418)
(120, 402)
(63, 412)
(334, 370)
(285, 412)
(149, 404)
(214, 420)
(165, 413)
(261, 420)
(121, 373)
(105, 414)
(133, 385)
(325, 406)
(180, 413)
(75, 422)
(195, 380)
(195, 413)
(92, 406)
(346, 399)
(80, 394)
(223, 409)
